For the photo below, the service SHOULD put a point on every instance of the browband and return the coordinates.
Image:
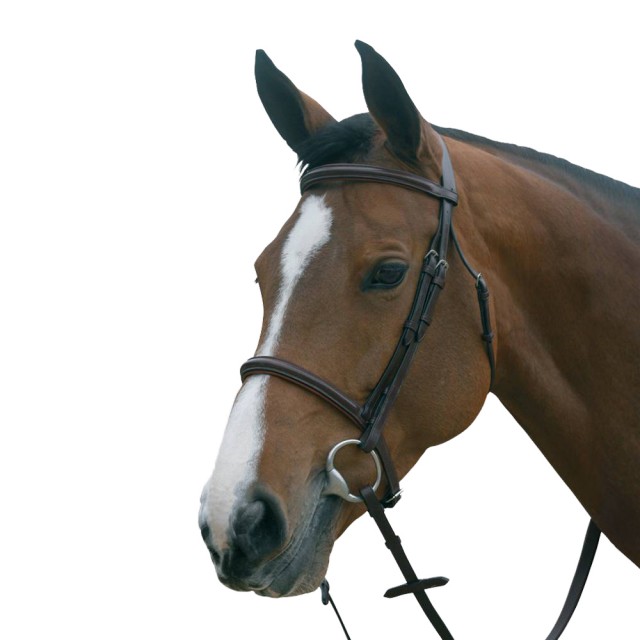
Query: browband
(368, 173)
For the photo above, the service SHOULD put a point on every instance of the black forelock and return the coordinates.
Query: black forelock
(349, 140)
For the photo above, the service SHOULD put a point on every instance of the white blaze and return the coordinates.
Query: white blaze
(239, 452)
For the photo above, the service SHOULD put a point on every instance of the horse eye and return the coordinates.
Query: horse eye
(386, 275)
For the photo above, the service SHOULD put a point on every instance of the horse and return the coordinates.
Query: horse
(557, 341)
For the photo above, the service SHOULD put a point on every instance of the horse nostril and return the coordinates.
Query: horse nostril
(259, 529)
(206, 536)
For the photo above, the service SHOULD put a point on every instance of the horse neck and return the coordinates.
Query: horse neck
(564, 276)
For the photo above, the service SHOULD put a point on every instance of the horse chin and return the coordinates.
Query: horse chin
(297, 579)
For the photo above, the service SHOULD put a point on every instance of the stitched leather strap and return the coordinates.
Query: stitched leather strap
(368, 173)
(267, 365)
(430, 284)
(310, 381)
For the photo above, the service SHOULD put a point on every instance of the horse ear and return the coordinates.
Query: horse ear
(294, 114)
(391, 107)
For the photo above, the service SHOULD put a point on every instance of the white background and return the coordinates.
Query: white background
(139, 179)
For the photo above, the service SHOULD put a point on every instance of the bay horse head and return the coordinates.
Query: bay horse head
(338, 284)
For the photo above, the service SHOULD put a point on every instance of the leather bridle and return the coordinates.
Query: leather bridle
(371, 416)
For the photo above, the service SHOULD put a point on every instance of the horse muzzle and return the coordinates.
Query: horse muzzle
(257, 531)
(263, 553)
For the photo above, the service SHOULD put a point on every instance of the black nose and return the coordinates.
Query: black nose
(258, 530)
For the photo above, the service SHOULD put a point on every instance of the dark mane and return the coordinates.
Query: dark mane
(349, 140)
(585, 176)
(352, 139)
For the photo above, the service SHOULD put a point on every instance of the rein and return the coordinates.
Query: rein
(371, 416)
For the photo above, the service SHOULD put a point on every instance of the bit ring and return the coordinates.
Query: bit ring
(336, 484)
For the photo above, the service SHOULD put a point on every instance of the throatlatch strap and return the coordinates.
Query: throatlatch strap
(483, 301)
